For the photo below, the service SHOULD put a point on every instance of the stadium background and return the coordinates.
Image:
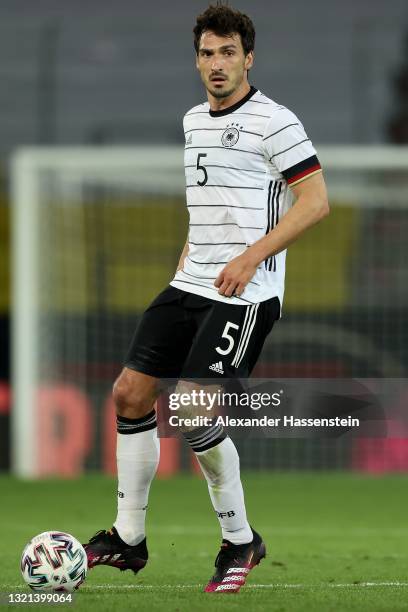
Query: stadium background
(86, 75)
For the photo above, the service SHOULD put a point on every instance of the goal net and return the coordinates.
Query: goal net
(98, 233)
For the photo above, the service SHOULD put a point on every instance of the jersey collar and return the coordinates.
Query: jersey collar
(234, 107)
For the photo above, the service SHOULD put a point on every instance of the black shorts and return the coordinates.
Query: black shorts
(183, 335)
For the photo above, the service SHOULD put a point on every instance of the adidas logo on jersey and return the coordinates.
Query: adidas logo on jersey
(189, 140)
(217, 367)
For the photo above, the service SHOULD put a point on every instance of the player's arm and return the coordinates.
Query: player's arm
(310, 206)
(183, 255)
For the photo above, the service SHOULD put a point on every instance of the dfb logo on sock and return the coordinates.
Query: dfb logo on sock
(225, 514)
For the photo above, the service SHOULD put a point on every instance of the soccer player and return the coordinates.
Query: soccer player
(246, 158)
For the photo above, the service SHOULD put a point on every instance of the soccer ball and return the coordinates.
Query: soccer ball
(54, 561)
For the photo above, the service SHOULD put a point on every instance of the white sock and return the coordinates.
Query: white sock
(220, 466)
(137, 457)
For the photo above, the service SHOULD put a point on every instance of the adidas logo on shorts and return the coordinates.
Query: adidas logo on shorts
(217, 367)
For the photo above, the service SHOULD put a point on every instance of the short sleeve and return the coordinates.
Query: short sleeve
(288, 148)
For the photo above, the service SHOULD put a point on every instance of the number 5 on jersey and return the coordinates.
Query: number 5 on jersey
(228, 337)
(203, 169)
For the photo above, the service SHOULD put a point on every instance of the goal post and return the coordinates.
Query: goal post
(97, 233)
(28, 168)
(25, 340)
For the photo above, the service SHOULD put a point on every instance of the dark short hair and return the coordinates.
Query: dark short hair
(224, 21)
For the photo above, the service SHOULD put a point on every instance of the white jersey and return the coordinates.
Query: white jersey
(239, 163)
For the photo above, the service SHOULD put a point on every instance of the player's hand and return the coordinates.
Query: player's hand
(233, 279)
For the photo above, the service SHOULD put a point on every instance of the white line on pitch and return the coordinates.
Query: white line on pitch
(252, 586)
(278, 585)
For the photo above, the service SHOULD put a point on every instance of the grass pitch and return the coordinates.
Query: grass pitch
(334, 542)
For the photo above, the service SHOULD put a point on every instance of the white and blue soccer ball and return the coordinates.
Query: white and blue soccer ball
(54, 561)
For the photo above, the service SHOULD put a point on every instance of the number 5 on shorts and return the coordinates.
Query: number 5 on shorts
(228, 337)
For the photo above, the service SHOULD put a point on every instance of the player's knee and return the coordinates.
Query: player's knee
(129, 400)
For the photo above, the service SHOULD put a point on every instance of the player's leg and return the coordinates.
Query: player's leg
(137, 453)
(219, 462)
(158, 349)
(137, 450)
(227, 346)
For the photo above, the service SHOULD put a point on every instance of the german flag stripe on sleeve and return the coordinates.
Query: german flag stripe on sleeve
(302, 170)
